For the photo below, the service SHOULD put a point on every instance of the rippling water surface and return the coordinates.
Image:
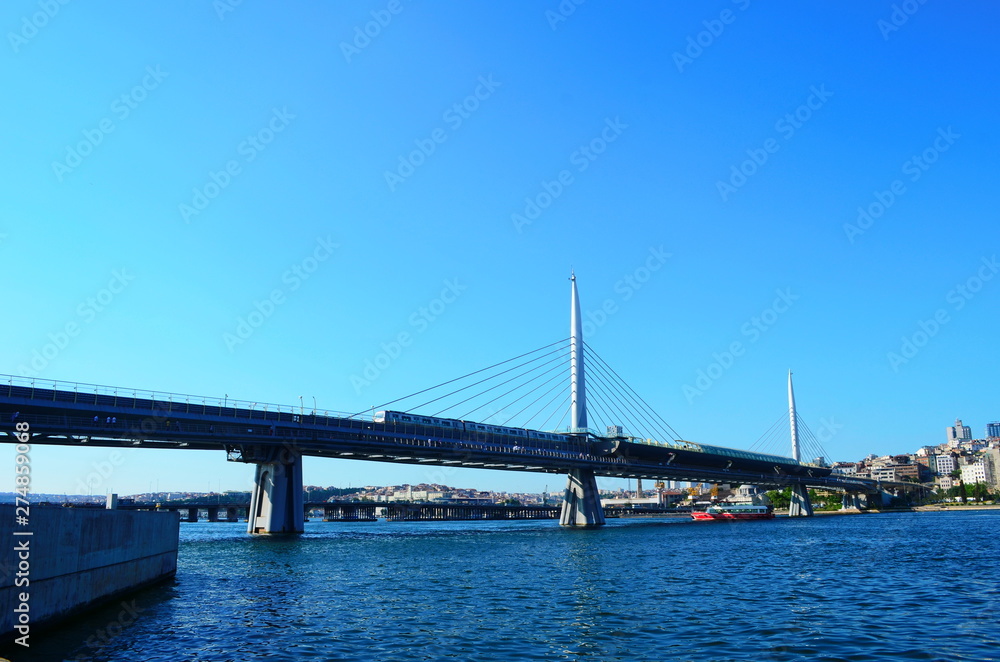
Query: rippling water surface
(907, 586)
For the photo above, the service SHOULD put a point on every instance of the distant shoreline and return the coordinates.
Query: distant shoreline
(916, 509)
(977, 506)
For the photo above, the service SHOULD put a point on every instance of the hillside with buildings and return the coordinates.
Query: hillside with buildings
(960, 462)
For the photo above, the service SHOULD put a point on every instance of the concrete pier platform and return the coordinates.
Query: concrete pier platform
(75, 559)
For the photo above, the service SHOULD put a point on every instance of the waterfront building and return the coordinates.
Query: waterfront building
(958, 433)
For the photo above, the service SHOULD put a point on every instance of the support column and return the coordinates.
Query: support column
(276, 505)
(800, 505)
(581, 500)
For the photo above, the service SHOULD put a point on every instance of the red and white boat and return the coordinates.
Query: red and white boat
(725, 512)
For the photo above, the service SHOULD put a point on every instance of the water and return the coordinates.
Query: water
(906, 586)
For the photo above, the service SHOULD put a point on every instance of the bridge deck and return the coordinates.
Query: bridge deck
(253, 433)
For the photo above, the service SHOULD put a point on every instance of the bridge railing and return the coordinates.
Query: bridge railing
(97, 394)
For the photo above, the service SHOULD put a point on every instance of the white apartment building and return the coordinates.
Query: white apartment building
(945, 464)
(975, 473)
(884, 473)
(845, 468)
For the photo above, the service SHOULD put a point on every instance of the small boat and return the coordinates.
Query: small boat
(723, 512)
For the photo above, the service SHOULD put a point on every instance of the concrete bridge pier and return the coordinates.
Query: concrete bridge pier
(852, 501)
(276, 504)
(581, 500)
(800, 505)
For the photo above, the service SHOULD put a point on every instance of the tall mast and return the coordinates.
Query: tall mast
(578, 391)
(793, 422)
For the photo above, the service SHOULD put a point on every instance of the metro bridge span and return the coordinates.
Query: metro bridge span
(275, 438)
(278, 436)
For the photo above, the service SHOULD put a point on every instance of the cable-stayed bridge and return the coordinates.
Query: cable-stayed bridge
(276, 437)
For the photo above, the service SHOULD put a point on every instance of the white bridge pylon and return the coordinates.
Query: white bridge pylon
(800, 505)
(581, 499)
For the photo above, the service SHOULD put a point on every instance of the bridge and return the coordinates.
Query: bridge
(276, 437)
(396, 511)
(359, 511)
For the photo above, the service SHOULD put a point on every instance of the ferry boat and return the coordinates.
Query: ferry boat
(724, 512)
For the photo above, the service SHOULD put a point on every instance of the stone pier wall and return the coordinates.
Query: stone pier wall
(78, 558)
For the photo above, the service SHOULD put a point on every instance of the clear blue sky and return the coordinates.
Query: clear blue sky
(120, 117)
